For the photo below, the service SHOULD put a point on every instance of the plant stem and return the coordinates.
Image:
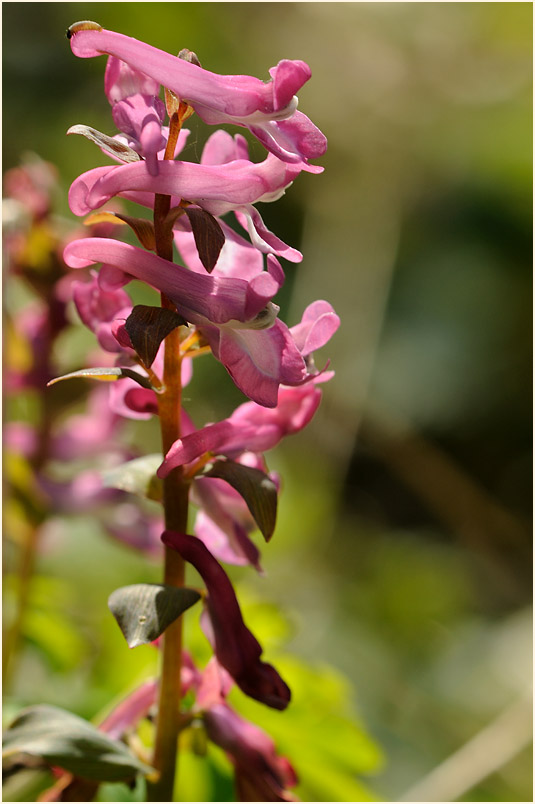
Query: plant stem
(175, 501)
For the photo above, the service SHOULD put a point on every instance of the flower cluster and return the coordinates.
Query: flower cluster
(222, 292)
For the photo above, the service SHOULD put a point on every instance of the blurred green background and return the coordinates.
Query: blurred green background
(402, 558)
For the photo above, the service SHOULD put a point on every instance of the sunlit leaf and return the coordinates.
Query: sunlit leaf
(256, 488)
(108, 144)
(65, 740)
(105, 374)
(143, 611)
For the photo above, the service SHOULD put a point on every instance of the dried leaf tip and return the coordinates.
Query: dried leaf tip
(83, 25)
(189, 55)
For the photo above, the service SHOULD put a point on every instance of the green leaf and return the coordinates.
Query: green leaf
(105, 374)
(256, 488)
(148, 326)
(209, 237)
(143, 611)
(65, 740)
(137, 477)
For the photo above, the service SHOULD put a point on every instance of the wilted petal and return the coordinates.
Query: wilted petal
(235, 646)
(222, 531)
(261, 775)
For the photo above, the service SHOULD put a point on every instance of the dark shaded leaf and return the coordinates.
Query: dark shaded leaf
(143, 611)
(65, 740)
(142, 228)
(137, 477)
(148, 326)
(105, 374)
(209, 237)
(256, 488)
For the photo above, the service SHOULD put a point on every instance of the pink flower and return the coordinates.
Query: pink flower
(99, 308)
(216, 300)
(217, 188)
(251, 428)
(222, 149)
(136, 109)
(235, 315)
(267, 109)
(127, 714)
(236, 648)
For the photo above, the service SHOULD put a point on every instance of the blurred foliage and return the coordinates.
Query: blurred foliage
(402, 555)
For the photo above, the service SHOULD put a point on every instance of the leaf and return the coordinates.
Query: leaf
(105, 374)
(65, 740)
(142, 228)
(256, 488)
(148, 326)
(143, 611)
(137, 477)
(209, 237)
(109, 144)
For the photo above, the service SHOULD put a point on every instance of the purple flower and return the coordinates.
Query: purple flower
(260, 773)
(85, 434)
(268, 110)
(127, 524)
(237, 650)
(224, 521)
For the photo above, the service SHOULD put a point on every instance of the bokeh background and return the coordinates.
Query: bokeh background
(398, 584)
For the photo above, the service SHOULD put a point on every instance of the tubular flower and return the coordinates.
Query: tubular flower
(260, 773)
(216, 188)
(223, 149)
(236, 649)
(268, 110)
(217, 300)
(253, 427)
(236, 316)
